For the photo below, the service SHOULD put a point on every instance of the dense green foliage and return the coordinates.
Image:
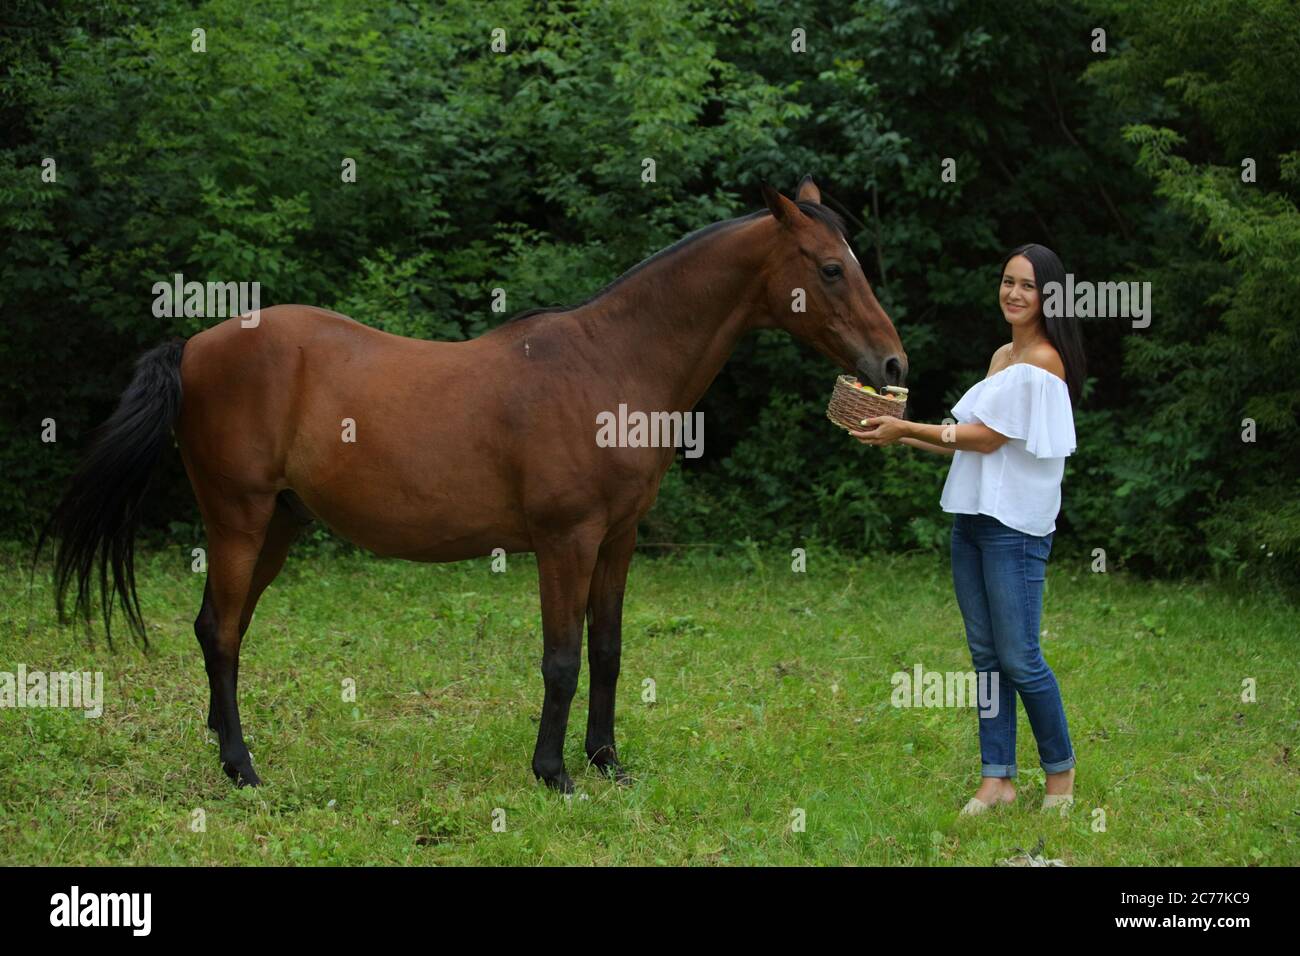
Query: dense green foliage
(521, 169)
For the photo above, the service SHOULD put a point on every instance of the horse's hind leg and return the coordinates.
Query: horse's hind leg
(237, 529)
(288, 521)
(205, 629)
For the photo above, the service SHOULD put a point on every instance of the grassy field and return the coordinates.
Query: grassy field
(771, 696)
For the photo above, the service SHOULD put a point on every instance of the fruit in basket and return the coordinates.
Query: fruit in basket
(854, 413)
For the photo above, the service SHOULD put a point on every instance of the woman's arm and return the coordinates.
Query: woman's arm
(885, 430)
(972, 437)
(926, 446)
(944, 439)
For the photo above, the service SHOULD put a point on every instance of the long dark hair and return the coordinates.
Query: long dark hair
(1062, 330)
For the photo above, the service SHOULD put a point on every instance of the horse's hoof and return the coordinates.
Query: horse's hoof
(242, 774)
(615, 771)
(618, 774)
(561, 782)
(605, 759)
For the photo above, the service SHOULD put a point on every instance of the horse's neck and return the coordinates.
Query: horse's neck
(667, 330)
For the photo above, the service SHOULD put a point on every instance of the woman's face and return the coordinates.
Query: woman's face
(1019, 292)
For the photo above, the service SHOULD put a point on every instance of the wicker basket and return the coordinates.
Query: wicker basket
(849, 405)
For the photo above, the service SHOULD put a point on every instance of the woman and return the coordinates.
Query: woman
(1008, 447)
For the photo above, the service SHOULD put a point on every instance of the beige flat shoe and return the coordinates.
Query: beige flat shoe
(976, 806)
(1060, 802)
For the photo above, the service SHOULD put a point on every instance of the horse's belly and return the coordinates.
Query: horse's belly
(391, 520)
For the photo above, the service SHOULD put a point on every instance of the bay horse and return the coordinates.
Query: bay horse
(458, 448)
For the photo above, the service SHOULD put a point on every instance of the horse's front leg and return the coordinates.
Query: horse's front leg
(604, 649)
(564, 569)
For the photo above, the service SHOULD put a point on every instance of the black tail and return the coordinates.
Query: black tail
(95, 523)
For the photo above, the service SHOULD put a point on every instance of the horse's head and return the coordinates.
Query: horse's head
(817, 292)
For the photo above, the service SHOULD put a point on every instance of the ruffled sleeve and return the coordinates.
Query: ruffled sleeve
(1027, 402)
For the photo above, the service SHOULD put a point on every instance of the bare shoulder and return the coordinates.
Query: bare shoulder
(1000, 359)
(1044, 355)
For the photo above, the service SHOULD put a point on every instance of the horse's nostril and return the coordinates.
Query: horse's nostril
(893, 370)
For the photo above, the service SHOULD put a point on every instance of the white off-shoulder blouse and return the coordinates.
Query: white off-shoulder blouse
(1020, 482)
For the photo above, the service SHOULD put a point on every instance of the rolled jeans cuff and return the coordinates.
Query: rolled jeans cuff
(1060, 766)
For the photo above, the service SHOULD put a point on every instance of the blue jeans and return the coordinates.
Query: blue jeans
(998, 573)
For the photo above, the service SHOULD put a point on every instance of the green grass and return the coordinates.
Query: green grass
(773, 693)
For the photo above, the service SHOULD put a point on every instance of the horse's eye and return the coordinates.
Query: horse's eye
(832, 271)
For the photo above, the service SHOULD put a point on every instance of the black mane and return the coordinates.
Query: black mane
(812, 210)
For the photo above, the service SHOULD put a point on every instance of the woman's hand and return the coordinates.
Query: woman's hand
(882, 430)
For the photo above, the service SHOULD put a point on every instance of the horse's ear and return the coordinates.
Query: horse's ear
(808, 191)
(783, 209)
